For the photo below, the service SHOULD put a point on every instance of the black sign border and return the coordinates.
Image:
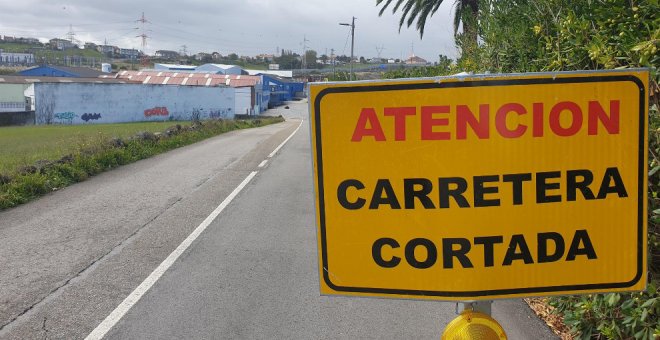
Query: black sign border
(641, 189)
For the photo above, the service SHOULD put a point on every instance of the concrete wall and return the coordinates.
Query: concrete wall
(16, 118)
(89, 103)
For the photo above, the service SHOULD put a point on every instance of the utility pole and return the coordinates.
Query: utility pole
(352, 25)
(332, 60)
(379, 50)
(71, 34)
(143, 35)
(304, 56)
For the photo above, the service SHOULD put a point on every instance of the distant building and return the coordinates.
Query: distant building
(107, 50)
(415, 60)
(201, 56)
(216, 56)
(61, 44)
(7, 58)
(90, 46)
(220, 69)
(166, 54)
(61, 71)
(265, 57)
(174, 67)
(129, 53)
(31, 41)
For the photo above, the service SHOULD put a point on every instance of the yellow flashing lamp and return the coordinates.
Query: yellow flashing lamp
(470, 325)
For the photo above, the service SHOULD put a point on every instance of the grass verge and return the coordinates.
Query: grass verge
(103, 154)
(25, 145)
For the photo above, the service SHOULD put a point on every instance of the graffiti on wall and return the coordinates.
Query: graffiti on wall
(219, 113)
(90, 116)
(196, 114)
(156, 111)
(65, 117)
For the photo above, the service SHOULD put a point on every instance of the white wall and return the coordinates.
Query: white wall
(12, 98)
(224, 69)
(89, 103)
(244, 101)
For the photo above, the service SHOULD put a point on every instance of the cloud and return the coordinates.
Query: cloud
(247, 27)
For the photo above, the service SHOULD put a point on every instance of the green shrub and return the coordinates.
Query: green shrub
(613, 315)
(566, 35)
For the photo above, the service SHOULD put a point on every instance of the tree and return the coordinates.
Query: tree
(466, 13)
(310, 59)
(288, 60)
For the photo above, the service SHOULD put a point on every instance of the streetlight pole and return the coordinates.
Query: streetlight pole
(352, 24)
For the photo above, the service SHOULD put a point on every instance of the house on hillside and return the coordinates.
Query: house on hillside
(61, 71)
(202, 56)
(107, 50)
(166, 54)
(129, 53)
(60, 44)
(415, 60)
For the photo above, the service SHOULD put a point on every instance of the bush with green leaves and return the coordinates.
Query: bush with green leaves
(564, 35)
(567, 35)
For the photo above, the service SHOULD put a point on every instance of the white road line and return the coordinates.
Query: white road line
(111, 320)
(286, 140)
(263, 164)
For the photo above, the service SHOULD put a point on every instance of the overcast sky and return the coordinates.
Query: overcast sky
(245, 27)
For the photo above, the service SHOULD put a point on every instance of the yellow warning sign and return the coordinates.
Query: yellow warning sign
(478, 187)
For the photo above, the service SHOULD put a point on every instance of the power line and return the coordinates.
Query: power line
(142, 20)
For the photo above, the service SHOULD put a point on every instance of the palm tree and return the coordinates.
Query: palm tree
(466, 13)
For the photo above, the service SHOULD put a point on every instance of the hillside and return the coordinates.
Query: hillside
(41, 51)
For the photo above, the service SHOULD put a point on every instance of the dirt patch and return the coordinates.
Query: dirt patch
(554, 321)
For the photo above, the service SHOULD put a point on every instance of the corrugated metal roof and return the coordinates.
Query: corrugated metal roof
(32, 79)
(83, 72)
(190, 79)
(279, 73)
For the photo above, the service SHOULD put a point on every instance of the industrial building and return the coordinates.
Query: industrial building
(220, 69)
(61, 71)
(10, 58)
(282, 89)
(259, 98)
(166, 54)
(93, 103)
(273, 88)
(74, 95)
(17, 102)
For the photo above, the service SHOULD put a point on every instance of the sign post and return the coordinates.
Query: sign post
(482, 187)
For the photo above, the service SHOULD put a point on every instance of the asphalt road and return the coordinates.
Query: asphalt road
(70, 258)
